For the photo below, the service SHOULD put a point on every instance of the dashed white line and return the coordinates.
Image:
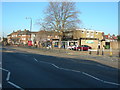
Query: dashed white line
(111, 83)
(8, 77)
(36, 60)
(55, 66)
(80, 72)
(92, 76)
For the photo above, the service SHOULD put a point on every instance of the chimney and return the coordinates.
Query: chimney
(25, 30)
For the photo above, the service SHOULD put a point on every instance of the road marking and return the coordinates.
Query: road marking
(4, 69)
(91, 76)
(80, 72)
(55, 66)
(36, 60)
(0, 63)
(0, 85)
(111, 83)
(15, 85)
(8, 77)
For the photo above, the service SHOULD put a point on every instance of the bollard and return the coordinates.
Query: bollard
(90, 52)
(103, 51)
(110, 52)
(119, 53)
(97, 51)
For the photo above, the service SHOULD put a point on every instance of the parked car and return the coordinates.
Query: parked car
(71, 47)
(82, 48)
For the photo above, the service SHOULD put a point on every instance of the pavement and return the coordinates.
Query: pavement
(113, 61)
(32, 68)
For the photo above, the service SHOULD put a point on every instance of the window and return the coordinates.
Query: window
(87, 32)
(23, 38)
(23, 35)
(82, 31)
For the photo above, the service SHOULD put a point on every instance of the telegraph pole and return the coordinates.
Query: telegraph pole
(30, 25)
(30, 41)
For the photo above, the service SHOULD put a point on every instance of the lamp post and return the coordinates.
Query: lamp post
(30, 25)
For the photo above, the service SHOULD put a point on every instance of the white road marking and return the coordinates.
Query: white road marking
(80, 72)
(0, 85)
(92, 76)
(111, 83)
(36, 60)
(55, 66)
(8, 77)
(15, 85)
(4, 69)
(0, 63)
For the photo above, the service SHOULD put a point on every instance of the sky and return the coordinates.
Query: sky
(100, 16)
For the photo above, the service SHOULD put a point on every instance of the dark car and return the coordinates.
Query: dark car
(82, 48)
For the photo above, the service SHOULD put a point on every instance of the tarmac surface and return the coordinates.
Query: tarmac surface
(40, 68)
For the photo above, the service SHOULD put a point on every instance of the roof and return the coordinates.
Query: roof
(34, 32)
(110, 37)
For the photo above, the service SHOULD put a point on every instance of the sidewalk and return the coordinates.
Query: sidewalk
(104, 59)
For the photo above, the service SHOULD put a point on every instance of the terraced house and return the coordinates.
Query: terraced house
(21, 37)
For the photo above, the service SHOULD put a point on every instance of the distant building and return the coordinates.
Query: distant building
(1, 39)
(83, 37)
(72, 37)
(111, 41)
(20, 37)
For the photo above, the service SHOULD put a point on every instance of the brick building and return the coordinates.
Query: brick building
(20, 37)
(83, 37)
(111, 41)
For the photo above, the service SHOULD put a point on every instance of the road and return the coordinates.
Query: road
(26, 70)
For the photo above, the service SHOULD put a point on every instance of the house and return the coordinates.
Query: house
(45, 38)
(1, 39)
(111, 41)
(33, 37)
(21, 37)
(13, 38)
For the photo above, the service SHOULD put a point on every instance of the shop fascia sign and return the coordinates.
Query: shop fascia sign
(89, 41)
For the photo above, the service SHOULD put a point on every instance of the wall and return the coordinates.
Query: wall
(92, 43)
(77, 34)
(114, 44)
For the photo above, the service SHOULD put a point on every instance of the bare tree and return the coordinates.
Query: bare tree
(41, 37)
(60, 16)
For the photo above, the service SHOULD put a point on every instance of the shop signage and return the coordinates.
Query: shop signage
(90, 41)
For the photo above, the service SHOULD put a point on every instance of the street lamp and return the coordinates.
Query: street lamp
(30, 25)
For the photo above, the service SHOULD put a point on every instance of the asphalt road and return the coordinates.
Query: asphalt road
(25, 70)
